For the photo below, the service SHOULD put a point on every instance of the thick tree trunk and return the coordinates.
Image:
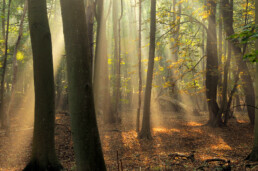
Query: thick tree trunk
(212, 66)
(87, 146)
(90, 10)
(139, 68)
(248, 87)
(43, 146)
(146, 130)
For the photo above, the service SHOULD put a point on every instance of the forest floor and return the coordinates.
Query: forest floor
(180, 142)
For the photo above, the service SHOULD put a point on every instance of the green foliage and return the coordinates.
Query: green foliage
(252, 57)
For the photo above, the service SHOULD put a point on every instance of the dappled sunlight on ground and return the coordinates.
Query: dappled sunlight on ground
(220, 145)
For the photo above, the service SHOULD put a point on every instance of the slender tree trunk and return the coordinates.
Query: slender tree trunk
(43, 146)
(3, 19)
(248, 87)
(203, 68)
(220, 83)
(139, 68)
(118, 79)
(212, 66)
(146, 130)
(85, 134)
(225, 85)
(2, 100)
(254, 154)
(15, 64)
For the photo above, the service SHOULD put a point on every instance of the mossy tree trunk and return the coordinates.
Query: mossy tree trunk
(87, 146)
(43, 146)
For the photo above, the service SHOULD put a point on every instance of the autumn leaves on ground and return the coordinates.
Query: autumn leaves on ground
(178, 144)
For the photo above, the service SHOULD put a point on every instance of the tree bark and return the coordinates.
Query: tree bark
(116, 89)
(101, 72)
(253, 156)
(43, 146)
(2, 100)
(146, 130)
(212, 66)
(90, 11)
(220, 83)
(139, 68)
(85, 134)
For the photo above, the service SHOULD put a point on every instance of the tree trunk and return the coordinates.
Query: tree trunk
(90, 11)
(212, 66)
(116, 89)
(139, 68)
(223, 107)
(2, 92)
(85, 134)
(3, 19)
(146, 130)
(248, 87)
(220, 83)
(43, 146)
(254, 154)
(101, 72)
(15, 64)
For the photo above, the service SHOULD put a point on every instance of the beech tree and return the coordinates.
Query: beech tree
(146, 130)
(139, 68)
(101, 73)
(43, 146)
(212, 66)
(87, 146)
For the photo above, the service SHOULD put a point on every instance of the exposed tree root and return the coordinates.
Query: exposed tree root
(253, 156)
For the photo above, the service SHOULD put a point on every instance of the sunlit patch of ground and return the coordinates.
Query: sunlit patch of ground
(220, 145)
(194, 124)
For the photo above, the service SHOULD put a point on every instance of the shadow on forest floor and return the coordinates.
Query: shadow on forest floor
(175, 138)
